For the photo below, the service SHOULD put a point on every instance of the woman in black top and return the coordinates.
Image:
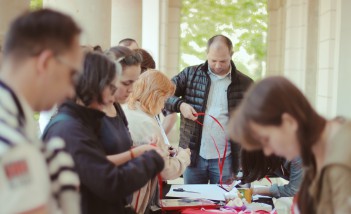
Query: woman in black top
(104, 186)
(115, 135)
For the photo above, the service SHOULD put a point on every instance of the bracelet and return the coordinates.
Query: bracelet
(131, 154)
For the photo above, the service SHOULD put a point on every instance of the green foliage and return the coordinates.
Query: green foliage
(243, 21)
(36, 4)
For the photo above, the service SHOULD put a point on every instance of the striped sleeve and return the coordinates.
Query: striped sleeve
(64, 180)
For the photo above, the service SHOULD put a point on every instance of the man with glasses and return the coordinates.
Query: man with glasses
(40, 65)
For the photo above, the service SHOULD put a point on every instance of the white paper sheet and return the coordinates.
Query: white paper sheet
(206, 191)
(231, 187)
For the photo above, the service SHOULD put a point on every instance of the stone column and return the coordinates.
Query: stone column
(8, 11)
(170, 49)
(276, 37)
(126, 21)
(295, 42)
(93, 16)
(163, 43)
(173, 38)
(326, 76)
(161, 33)
(312, 51)
(151, 32)
(342, 60)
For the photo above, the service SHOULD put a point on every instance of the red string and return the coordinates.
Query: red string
(220, 163)
(159, 178)
(268, 179)
(137, 201)
(160, 185)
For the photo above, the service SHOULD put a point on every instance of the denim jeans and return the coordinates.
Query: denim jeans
(207, 170)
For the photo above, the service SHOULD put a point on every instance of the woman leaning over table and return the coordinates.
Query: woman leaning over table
(276, 117)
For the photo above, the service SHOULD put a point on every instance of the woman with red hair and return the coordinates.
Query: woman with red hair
(146, 101)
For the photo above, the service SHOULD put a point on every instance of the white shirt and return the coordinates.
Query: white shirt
(44, 118)
(217, 106)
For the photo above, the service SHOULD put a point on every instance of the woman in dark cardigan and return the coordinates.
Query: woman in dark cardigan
(104, 186)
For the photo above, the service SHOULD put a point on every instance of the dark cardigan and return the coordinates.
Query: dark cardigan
(104, 186)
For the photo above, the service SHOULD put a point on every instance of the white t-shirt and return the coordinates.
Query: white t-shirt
(44, 118)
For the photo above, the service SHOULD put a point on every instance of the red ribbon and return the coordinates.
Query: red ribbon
(220, 163)
(159, 182)
(137, 201)
(268, 179)
(160, 185)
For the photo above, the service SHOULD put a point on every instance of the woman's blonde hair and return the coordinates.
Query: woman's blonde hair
(151, 86)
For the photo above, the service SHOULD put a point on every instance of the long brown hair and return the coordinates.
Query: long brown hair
(255, 165)
(148, 62)
(264, 104)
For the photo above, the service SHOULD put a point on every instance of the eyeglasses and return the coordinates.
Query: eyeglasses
(75, 71)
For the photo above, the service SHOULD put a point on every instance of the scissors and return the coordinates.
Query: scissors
(183, 190)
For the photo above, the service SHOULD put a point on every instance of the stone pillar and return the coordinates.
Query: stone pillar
(327, 73)
(295, 42)
(8, 11)
(93, 16)
(276, 37)
(342, 60)
(171, 48)
(151, 33)
(161, 33)
(126, 21)
(163, 43)
(173, 41)
(312, 51)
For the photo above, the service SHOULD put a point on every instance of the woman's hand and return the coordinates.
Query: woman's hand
(187, 150)
(261, 191)
(152, 140)
(139, 150)
(172, 151)
(121, 158)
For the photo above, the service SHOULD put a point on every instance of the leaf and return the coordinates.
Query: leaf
(36, 4)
